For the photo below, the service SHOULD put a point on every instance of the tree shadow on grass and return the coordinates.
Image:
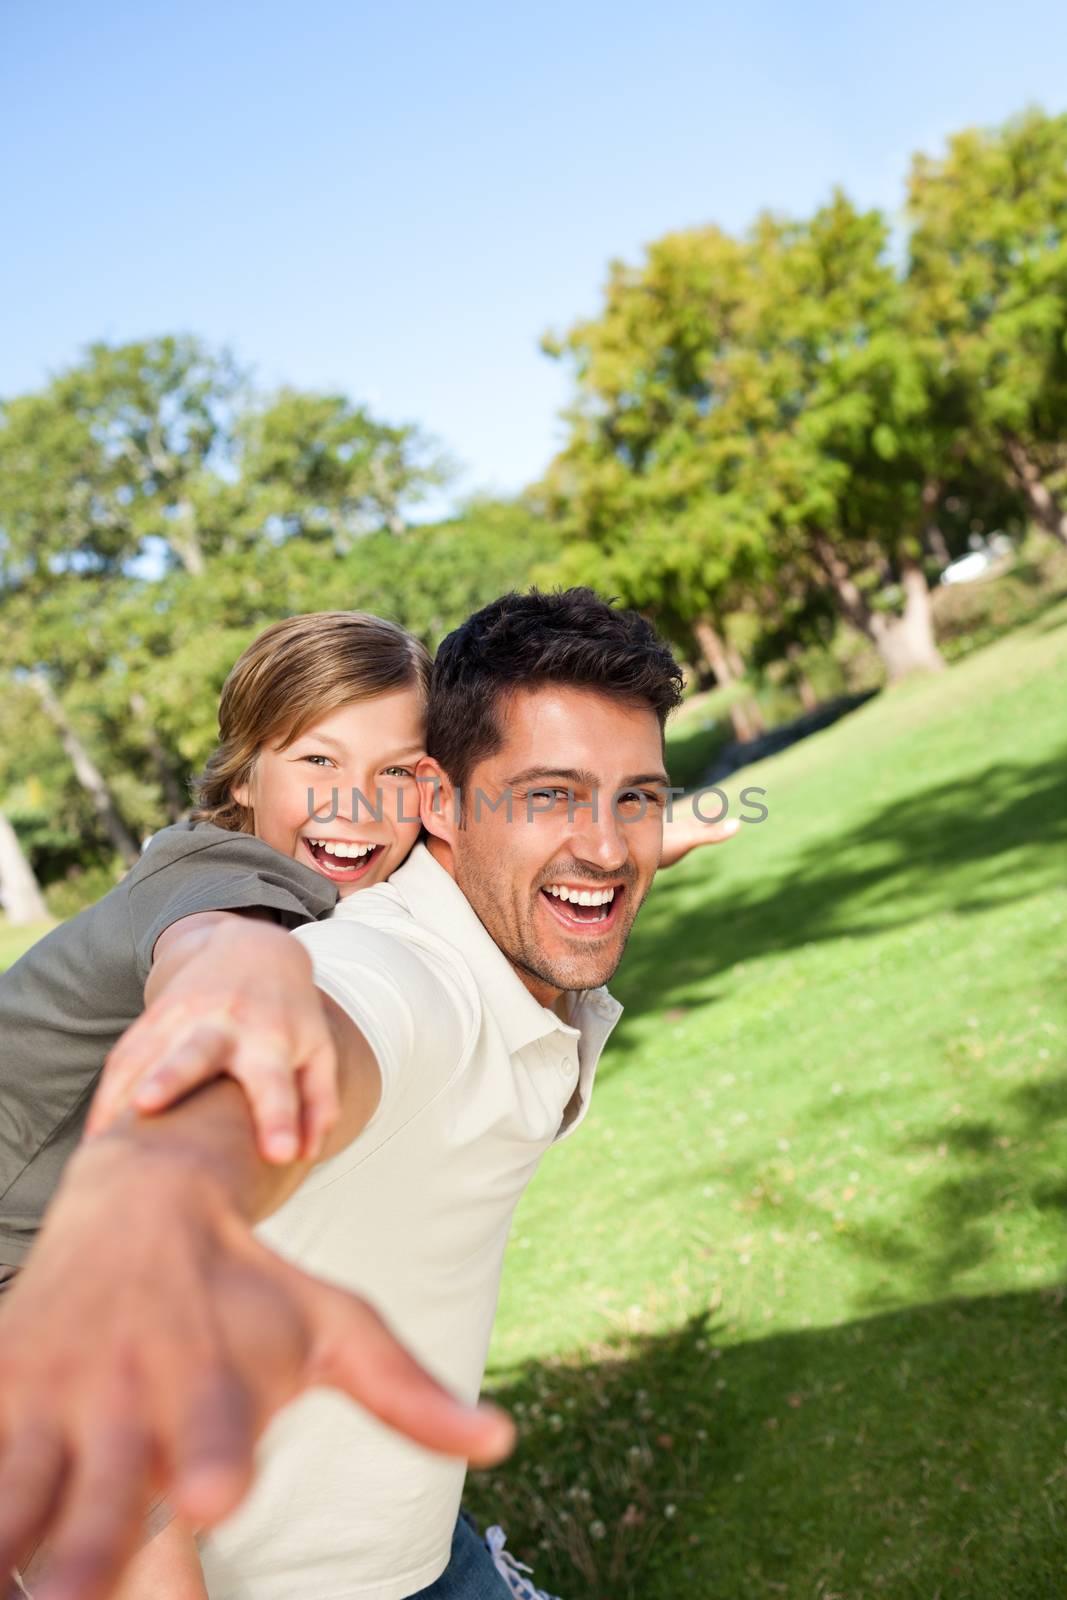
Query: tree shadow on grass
(976, 842)
(917, 1454)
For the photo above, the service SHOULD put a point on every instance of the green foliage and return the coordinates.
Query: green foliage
(785, 1318)
(988, 276)
(769, 422)
(155, 514)
(770, 433)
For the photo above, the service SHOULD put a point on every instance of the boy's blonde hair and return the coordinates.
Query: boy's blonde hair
(294, 673)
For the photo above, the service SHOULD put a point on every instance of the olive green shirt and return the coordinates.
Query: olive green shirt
(74, 993)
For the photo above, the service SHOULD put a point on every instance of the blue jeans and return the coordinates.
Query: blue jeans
(470, 1574)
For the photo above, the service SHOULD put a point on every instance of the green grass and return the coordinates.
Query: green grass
(786, 1317)
(13, 941)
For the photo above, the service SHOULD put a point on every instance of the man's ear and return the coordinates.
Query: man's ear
(437, 799)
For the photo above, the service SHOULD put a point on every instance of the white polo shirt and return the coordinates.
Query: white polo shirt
(478, 1080)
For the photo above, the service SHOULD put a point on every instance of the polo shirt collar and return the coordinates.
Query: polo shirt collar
(437, 901)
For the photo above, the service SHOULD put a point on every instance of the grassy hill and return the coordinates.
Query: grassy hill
(786, 1318)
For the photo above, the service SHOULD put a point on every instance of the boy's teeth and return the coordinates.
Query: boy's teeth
(348, 852)
(582, 897)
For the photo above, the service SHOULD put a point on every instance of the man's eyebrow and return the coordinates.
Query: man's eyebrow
(646, 777)
(575, 775)
(579, 776)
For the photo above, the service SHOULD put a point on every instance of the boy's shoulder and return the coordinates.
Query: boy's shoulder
(226, 849)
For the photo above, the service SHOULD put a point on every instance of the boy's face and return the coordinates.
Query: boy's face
(511, 862)
(371, 747)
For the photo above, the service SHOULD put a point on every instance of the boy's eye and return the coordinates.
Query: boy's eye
(315, 758)
(399, 772)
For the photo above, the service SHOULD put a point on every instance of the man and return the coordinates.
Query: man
(468, 1014)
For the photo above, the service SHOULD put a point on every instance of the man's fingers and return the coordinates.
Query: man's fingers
(719, 832)
(182, 1067)
(31, 1475)
(355, 1351)
(100, 1527)
(211, 1457)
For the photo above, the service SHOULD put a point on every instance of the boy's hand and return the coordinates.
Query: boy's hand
(215, 1007)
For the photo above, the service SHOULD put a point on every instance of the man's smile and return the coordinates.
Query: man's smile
(587, 910)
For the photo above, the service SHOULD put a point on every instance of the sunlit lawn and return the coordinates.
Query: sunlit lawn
(13, 941)
(785, 1318)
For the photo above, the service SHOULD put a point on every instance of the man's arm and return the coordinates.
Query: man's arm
(685, 830)
(181, 1335)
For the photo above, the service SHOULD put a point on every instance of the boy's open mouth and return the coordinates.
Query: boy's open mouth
(586, 908)
(341, 860)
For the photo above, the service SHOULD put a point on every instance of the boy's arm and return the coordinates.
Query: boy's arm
(181, 1335)
(229, 994)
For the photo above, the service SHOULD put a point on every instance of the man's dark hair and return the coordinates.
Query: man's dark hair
(571, 637)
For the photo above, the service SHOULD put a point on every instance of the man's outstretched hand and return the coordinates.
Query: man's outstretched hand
(148, 1342)
(685, 829)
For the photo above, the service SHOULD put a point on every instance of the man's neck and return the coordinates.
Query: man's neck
(554, 999)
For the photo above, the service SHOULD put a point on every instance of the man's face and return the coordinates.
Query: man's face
(523, 866)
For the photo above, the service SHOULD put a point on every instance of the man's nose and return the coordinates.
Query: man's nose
(600, 839)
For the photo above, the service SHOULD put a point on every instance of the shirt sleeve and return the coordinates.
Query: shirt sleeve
(417, 1011)
(231, 873)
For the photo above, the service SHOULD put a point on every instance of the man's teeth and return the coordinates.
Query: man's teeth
(348, 852)
(581, 897)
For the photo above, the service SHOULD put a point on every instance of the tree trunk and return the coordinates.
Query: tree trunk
(808, 698)
(933, 538)
(1044, 507)
(23, 901)
(711, 643)
(87, 773)
(185, 541)
(906, 644)
(753, 715)
(175, 798)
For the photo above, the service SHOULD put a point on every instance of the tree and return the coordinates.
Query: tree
(317, 466)
(987, 279)
(748, 408)
(154, 514)
(19, 889)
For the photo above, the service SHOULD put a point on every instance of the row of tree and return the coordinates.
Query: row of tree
(772, 434)
(155, 513)
(804, 424)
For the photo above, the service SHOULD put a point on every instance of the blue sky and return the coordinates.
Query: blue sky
(398, 200)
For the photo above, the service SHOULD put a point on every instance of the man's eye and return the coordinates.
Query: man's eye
(550, 794)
